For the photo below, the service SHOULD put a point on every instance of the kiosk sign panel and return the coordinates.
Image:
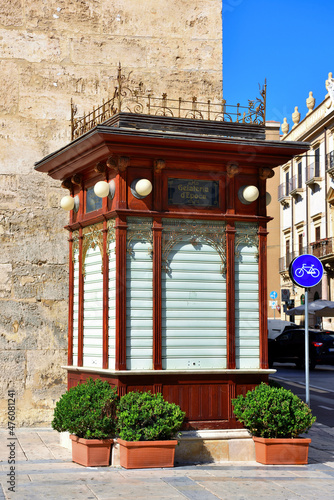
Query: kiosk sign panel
(191, 192)
(306, 270)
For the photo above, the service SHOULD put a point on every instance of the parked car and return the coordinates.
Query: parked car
(289, 347)
(277, 326)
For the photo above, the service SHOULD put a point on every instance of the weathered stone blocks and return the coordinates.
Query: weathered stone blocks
(52, 51)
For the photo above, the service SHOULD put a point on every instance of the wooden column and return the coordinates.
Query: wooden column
(232, 170)
(157, 350)
(263, 293)
(119, 164)
(159, 165)
(120, 234)
(70, 302)
(105, 271)
(264, 174)
(230, 297)
(81, 302)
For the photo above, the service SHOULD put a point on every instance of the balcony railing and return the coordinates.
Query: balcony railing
(283, 193)
(322, 248)
(313, 173)
(138, 101)
(330, 163)
(295, 184)
(285, 261)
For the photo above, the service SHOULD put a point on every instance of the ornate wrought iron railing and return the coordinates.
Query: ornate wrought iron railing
(137, 101)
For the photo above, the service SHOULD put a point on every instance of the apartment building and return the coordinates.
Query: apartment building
(306, 196)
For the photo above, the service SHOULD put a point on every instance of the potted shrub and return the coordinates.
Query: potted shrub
(275, 417)
(88, 412)
(146, 426)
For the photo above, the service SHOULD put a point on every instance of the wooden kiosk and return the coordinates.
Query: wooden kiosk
(168, 271)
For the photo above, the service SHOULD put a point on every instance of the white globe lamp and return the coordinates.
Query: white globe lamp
(250, 193)
(67, 203)
(101, 189)
(143, 187)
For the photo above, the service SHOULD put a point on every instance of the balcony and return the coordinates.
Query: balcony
(284, 262)
(295, 185)
(330, 164)
(313, 174)
(323, 249)
(283, 194)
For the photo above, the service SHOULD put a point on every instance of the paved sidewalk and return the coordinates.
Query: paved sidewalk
(44, 470)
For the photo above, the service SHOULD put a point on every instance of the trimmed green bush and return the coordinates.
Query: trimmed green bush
(142, 416)
(87, 410)
(272, 412)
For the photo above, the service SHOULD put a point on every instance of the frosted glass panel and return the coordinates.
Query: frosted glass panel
(247, 307)
(139, 306)
(112, 306)
(75, 308)
(193, 309)
(93, 309)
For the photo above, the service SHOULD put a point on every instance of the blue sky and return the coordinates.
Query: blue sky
(290, 43)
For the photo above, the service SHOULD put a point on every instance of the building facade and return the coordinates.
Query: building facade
(51, 53)
(306, 197)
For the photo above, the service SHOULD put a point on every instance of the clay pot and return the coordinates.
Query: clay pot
(146, 454)
(281, 451)
(91, 452)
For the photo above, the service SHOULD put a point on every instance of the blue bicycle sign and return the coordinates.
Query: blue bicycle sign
(306, 270)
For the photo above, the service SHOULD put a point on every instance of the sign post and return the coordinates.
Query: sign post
(273, 296)
(306, 271)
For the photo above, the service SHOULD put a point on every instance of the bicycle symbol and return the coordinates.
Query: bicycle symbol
(308, 270)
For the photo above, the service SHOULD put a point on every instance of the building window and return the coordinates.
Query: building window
(317, 233)
(300, 177)
(93, 202)
(300, 243)
(287, 247)
(287, 181)
(317, 162)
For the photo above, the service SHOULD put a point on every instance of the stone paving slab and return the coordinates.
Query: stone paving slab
(44, 471)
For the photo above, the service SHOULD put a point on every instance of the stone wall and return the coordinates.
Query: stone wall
(52, 51)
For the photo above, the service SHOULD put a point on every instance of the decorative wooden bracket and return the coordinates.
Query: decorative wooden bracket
(159, 165)
(101, 168)
(232, 170)
(266, 173)
(118, 163)
(67, 184)
(76, 179)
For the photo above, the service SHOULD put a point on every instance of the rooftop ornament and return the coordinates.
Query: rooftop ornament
(138, 101)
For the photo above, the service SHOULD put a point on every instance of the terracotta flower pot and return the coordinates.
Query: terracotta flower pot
(91, 452)
(147, 454)
(272, 451)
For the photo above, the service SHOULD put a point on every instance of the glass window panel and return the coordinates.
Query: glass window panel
(93, 202)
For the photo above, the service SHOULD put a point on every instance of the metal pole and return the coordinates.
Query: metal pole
(307, 354)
